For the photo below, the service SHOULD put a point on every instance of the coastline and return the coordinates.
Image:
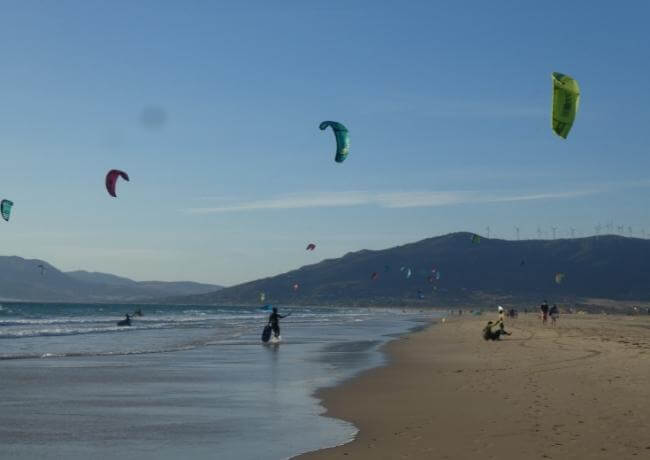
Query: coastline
(221, 392)
(578, 390)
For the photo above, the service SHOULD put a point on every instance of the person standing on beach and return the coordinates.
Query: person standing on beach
(554, 312)
(502, 316)
(544, 309)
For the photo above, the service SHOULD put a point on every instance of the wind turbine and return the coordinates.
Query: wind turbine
(539, 233)
(488, 231)
(554, 230)
(597, 228)
(573, 232)
(517, 232)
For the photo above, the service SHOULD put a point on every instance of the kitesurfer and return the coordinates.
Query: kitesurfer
(126, 321)
(274, 321)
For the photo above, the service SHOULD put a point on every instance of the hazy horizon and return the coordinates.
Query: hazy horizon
(559, 235)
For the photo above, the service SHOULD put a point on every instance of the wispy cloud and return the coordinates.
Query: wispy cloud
(399, 199)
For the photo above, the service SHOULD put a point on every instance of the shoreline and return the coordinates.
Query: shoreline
(578, 390)
(230, 395)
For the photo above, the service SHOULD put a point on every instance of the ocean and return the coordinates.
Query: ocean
(182, 381)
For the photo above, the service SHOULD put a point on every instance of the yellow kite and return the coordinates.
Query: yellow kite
(566, 96)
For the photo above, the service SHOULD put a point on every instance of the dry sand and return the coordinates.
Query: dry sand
(580, 390)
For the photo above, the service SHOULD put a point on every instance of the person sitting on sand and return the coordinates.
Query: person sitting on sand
(490, 334)
(554, 312)
(274, 321)
(544, 309)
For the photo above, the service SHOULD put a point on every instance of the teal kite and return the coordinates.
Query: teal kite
(566, 97)
(5, 209)
(342, 139)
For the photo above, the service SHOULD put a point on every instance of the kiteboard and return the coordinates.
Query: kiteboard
(266, 333)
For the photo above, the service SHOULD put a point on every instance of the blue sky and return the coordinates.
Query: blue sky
(447, 105)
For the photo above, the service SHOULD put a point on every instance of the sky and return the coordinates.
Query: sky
(213, 108)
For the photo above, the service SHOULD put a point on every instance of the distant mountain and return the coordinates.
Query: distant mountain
(23, 280)
(611, 267)
(154, 288)
(101, 278)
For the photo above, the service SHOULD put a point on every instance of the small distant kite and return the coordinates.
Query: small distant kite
(475, 238)
(559, 278)
(566, 97)
(5, 209)
(111, 180)
(310, 247)
(342, 139)
(374, 276)
(296, 286)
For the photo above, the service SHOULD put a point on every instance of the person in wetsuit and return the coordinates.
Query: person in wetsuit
(274, 321)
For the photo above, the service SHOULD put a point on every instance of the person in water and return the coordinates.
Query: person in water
(126, 321)
(274, 322)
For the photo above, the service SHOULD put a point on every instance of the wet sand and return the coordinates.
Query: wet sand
(575, 391)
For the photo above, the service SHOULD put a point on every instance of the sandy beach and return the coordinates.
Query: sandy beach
(575, 391)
